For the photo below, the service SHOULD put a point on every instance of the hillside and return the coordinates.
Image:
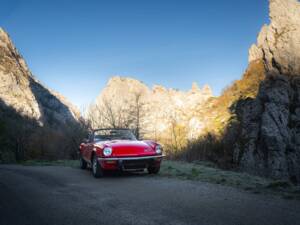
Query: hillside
(29, 112)
(23, 92)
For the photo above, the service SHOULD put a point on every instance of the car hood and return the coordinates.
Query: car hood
(125, 148)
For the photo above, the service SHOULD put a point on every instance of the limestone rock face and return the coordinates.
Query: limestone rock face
(20, 90)
(15, 80)
(268, 141)
(161, 106)
(278, 44)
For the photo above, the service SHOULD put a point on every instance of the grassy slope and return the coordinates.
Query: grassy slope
(206, 172)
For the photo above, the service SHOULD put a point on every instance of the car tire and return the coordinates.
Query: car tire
(83, 163)
(153, 170)
(96, 168)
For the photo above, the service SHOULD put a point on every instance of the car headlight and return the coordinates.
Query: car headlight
(158, 149)
(107, 151)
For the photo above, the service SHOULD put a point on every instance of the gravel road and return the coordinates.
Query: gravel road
(62, 195)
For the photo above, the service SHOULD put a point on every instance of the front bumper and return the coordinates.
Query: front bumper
(131, 158)
(130, 163)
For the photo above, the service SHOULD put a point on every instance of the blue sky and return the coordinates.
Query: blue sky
(74, 47)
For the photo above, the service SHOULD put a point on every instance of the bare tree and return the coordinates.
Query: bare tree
(138, 113)
(108, 114)
(127, 113)
(178, 135)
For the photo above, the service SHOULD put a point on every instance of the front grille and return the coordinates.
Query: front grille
(136, 164)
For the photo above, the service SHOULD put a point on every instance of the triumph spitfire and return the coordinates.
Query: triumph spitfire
(118, 149)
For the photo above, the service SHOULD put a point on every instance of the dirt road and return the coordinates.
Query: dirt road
(62, 195)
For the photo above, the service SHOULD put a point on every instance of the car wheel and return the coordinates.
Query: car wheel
(83, 163)
(153, 170)
(96, 168)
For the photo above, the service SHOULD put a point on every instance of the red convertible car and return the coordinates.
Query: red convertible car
(118, 149)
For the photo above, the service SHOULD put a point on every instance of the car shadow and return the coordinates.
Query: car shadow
(117, 174)
(124, 174)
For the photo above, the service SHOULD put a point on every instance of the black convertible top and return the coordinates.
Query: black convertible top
(113, 133)
(111, 129)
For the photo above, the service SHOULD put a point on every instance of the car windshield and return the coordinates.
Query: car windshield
(113, 134)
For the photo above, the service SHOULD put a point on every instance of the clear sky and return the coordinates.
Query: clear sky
(74, 46)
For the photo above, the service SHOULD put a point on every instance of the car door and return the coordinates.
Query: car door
(84, 147)
(89, 148)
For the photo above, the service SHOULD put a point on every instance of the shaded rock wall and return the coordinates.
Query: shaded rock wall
(269, 139)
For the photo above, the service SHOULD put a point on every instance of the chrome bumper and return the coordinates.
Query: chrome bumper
(131, 158)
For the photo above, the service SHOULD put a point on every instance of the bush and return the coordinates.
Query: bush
(22, 138)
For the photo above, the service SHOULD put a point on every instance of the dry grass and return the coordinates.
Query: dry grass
(208, 172)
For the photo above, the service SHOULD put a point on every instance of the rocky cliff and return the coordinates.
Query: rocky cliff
(20, 90)
(35, 122)
(268, 124)
(160, 108)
